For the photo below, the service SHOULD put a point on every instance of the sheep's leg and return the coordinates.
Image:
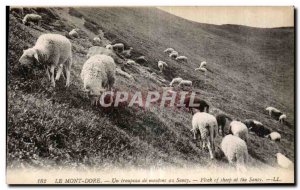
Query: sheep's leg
(59, 71)
(48, 73)
(209, 145)
(52, 68)
(68, 71)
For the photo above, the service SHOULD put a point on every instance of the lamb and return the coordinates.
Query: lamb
(207, 125)
(50, 50)
(74, 34)
(35, 18)
(257, 127)
(127, 53)
(222, 120)
(97, 40)
(119, 47)
(173, 54)
(284, 162)
(185, 83)
(282, 118)
(239, 129)
(98, 75)
(235, 149)
(274, 136)
(169, 50)
(203, 105)
(181, 58)
(161, 65)
(176, 80)
(274, 112)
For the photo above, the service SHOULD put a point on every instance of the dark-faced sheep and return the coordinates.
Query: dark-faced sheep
(200, 104)
(222, 120)
(257, 127)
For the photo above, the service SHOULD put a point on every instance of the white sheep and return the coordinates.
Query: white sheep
(74, 33)
(203, 64)
(203, 69)
(130, 62)
(274, 136)
(176, 80)
(235, 149)
(97, 40)
(169, 50)
(118, 47)
(173, 54)
(282, 118)
(181, 58)
(35, 18)
(185, 83)
(98, 75)
(284, 162)
(161, 65)
(50, 50)
(109, 46)
(207, 125)
(273, 110)
(239, 129)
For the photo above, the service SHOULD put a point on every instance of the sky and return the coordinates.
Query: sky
(263, 17)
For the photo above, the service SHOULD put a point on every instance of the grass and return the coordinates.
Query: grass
(250, 68)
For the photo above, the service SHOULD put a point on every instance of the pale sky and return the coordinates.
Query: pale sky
(264, 17)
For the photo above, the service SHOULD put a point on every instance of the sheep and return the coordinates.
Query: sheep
(161, 65)
(222, 121)
(181, 58)
(274, 136)
(109, 46)
(141, 59)
(73, 33)
(185, 83)
(202, 107)
(97, 40)
(173, 54)
(235, 149)
(98, 74)
(284, 162)
(203, 64)
(257, 127)
(119, 47)
(201, 69)
(127, 53)
(207, 125)
(176, 80)
(282, 118)
(130, 62)
(50, 50)
(35, 18)
(101, 50)
(239, 129)
(273, 111)
(169, 50)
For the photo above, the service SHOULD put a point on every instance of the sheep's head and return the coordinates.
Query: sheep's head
(29, 57)
(94, 93)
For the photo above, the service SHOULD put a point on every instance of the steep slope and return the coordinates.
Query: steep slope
(250, 69)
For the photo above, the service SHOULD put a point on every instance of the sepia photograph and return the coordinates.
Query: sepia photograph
(141, 95)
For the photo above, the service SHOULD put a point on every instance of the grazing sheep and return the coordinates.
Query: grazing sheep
(35, 18)
(169, 50)
(235, 149)
(173, 54)
(98, 75)
(207, 125)
(127, 53)
(181, 58)
(274, 112)
(141, 59)
(103, 51)
(73, 33)
(201, 69)
(239, 129)
(282, 118)
(185, 83)
(130, 62)
(202, 107)
(257, 127)
(50, 50)
(161, 65)
(176, 80)
(97, 40)
(222, 121)
(119, 47)
(203, 64)
(274, 136)
(284, 162)
(109, 46)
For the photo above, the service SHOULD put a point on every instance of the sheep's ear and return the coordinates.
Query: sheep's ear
(36, 56)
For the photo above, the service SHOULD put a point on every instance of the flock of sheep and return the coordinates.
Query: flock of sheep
(98, 75)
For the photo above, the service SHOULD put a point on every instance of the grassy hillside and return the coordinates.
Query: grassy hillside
(250, 69)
